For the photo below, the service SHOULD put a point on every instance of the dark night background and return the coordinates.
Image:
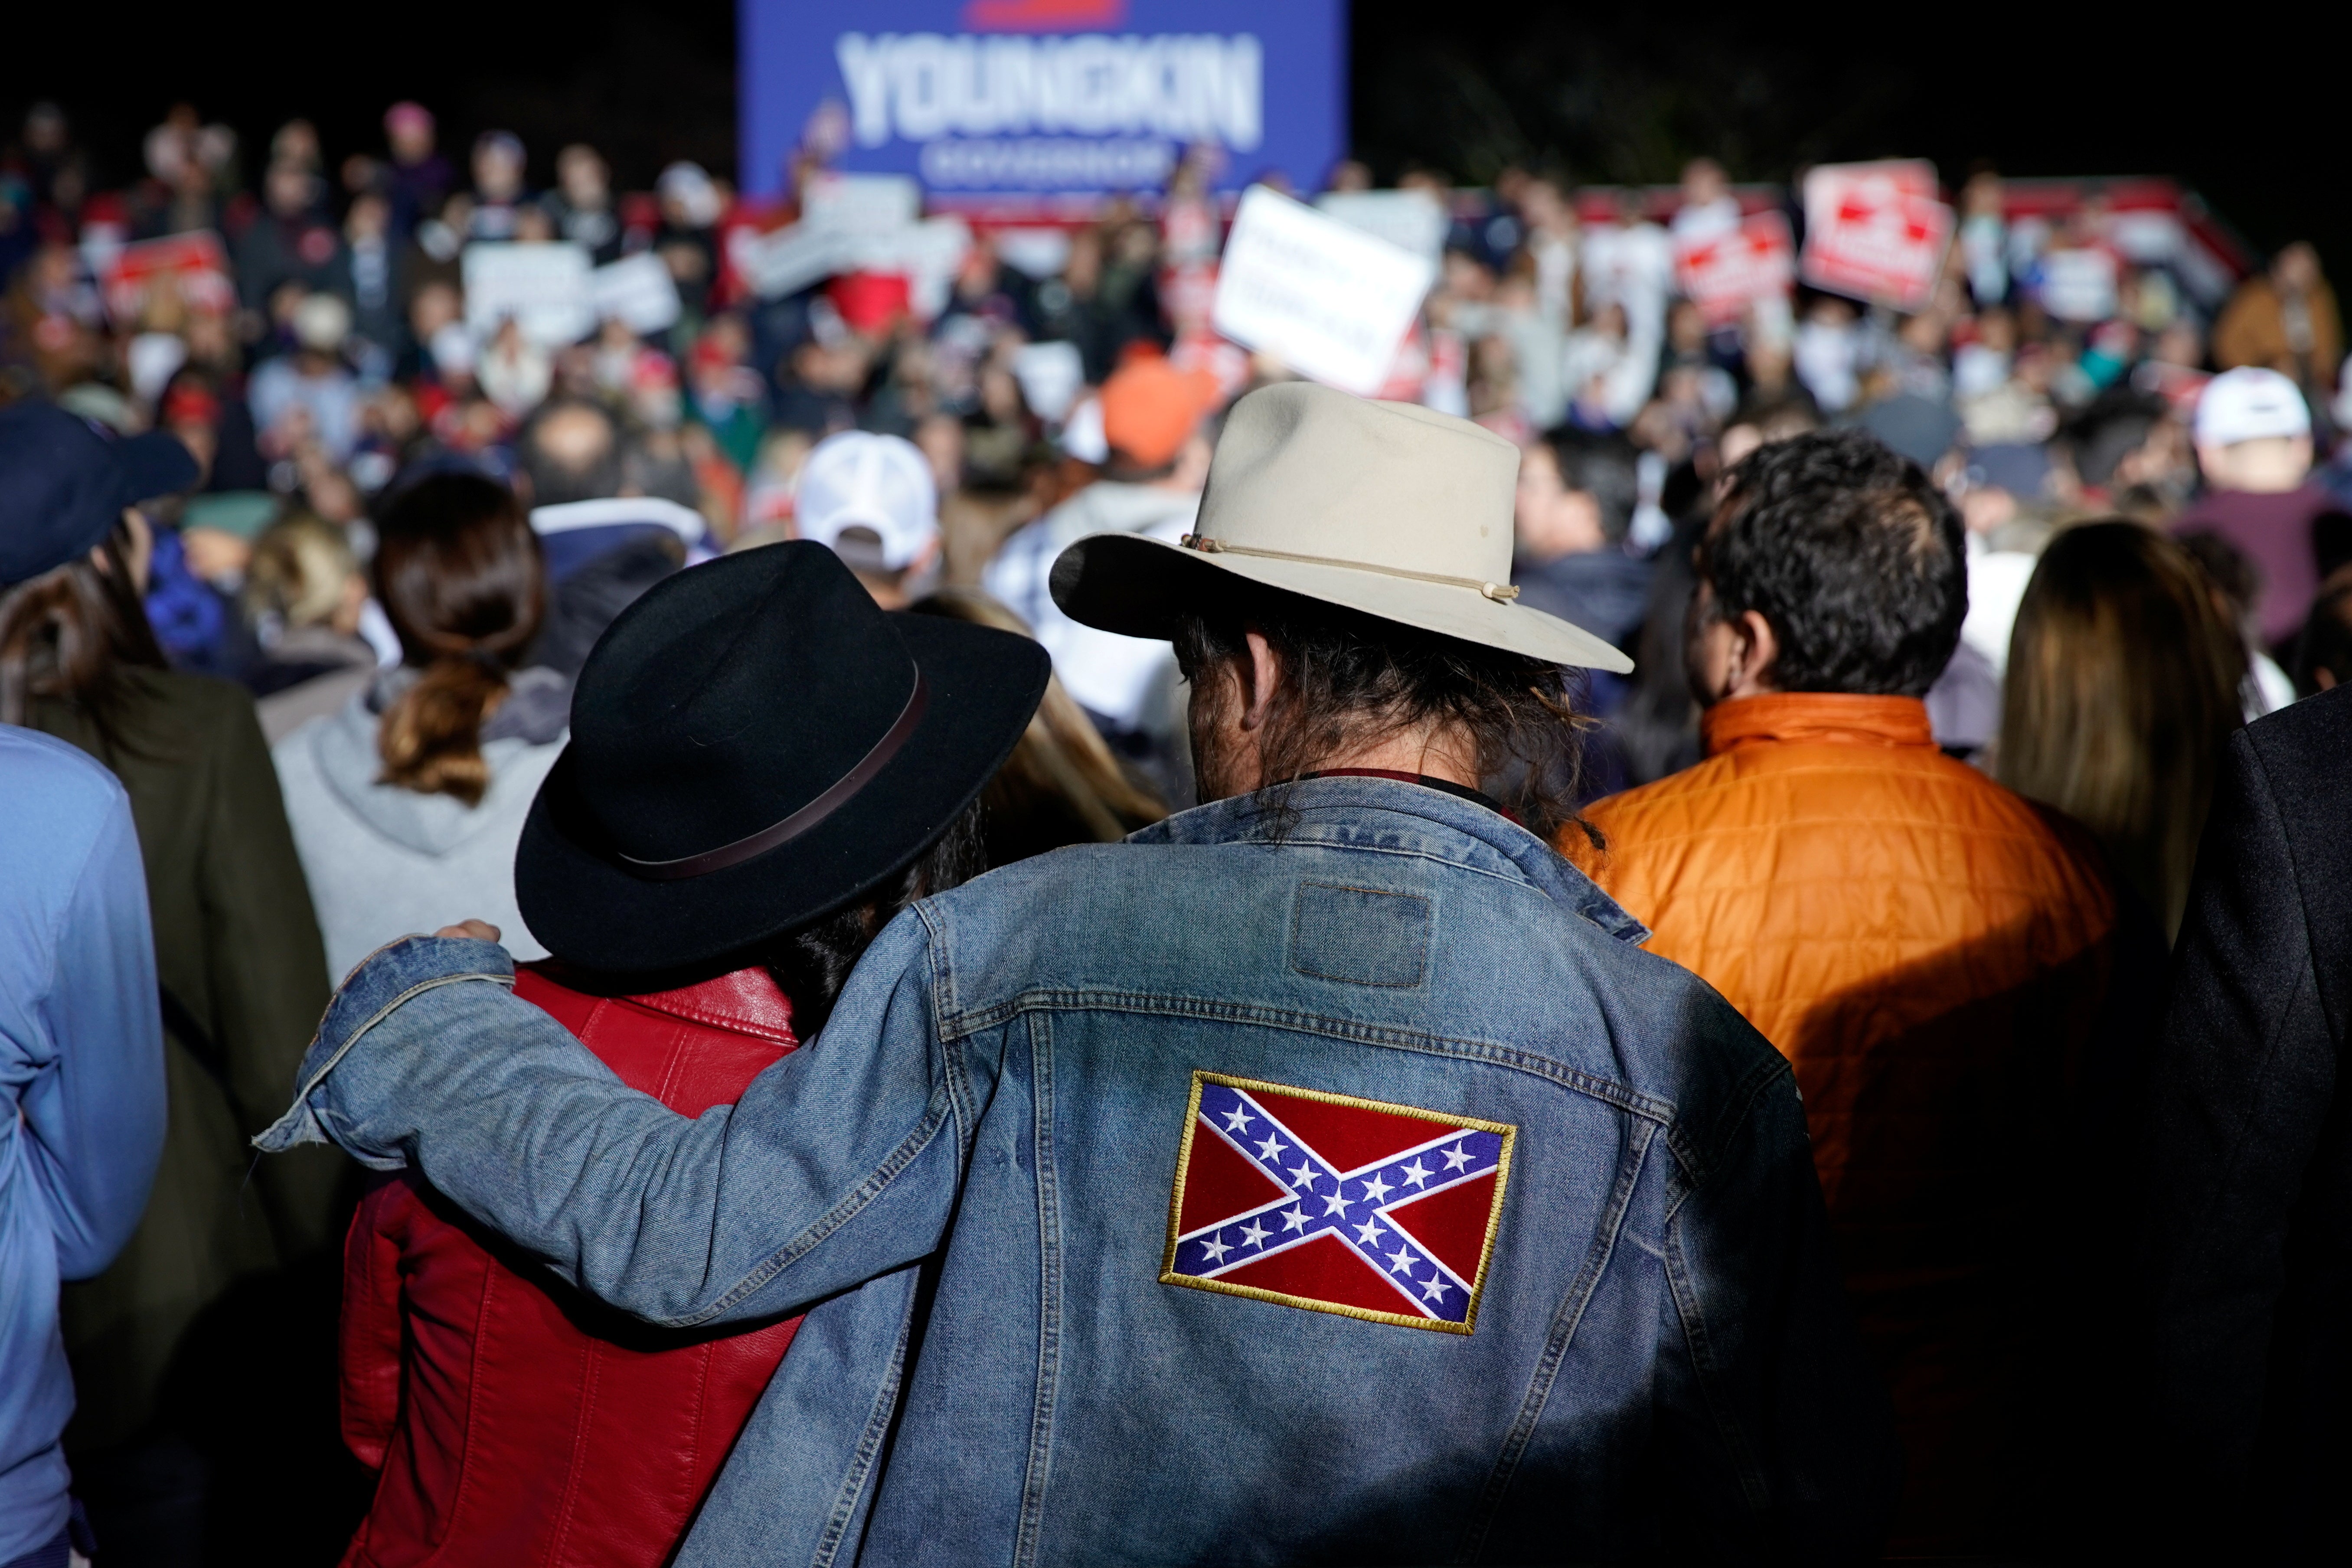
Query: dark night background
(2246, 112)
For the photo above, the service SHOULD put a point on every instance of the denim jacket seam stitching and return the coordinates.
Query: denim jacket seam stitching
(953, 1065)
(876, 1183)
(1038, 1474)
(1517, 876)
(935, 955)
(1359, 980)
(380, 1014)
(964, 1099)
(1238, 823)
(1622, 1096)
(1700, 1346)
(869, 1443)
(1562, 1335)
(1739, 1104)
(1350, 808)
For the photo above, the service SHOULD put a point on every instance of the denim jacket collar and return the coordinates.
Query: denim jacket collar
(1402, 819)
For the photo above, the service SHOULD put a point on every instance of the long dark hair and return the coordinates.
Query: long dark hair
(72, 632)
(1348, 678)
(2121, 694)
(810, 964)
(461, 578)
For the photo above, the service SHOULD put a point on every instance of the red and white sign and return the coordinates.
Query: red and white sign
(194, 264)
(1725, 273)
(1872, 231)
(1912, 176)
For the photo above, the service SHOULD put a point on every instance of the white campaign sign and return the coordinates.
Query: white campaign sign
(1412, 220)
(862, 204)
(789, 259)
(545, 287)
(1329, 301)
(638, 291)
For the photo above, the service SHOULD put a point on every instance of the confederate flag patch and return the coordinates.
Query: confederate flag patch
(1335, 1204)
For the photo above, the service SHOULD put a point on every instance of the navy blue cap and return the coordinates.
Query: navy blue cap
(63, 483)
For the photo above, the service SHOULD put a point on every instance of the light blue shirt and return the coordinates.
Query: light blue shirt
(81, 1088)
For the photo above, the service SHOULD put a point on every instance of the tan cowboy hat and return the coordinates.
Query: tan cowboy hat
(1385, 508)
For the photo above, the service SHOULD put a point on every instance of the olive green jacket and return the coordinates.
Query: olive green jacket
(238, 955)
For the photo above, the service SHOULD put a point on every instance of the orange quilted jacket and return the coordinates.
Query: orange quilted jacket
(1930, 952)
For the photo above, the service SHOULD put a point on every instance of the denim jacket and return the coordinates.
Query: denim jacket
(1339, 1184)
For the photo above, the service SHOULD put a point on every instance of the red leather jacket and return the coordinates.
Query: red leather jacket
(516, 1422)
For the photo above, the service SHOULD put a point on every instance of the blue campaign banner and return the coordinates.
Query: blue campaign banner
(1044, 97)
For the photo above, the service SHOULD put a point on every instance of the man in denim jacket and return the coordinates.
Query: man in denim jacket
(1324, 1173)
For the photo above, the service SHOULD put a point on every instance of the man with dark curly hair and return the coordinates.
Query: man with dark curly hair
(1929, 950)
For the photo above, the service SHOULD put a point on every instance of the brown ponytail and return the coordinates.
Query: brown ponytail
(459, 573)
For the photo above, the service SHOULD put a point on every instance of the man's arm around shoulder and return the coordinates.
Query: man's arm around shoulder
(838, 1163)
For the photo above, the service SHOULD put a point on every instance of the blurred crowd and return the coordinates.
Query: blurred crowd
(321, 342)
(414, 513)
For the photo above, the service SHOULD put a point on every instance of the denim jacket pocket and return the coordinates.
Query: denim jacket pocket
(1365, 936)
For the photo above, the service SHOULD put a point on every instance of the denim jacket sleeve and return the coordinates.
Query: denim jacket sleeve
(837, 1164)
(1782, 1440)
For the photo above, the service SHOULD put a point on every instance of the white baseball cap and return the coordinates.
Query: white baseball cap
(857, 479)
(2247, 404)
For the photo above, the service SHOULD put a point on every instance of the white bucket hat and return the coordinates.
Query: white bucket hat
(1385, 508)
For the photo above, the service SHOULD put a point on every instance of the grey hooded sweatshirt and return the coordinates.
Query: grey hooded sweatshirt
(383, 860)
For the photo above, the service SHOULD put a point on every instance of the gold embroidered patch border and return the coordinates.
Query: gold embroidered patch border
(1207, 1082)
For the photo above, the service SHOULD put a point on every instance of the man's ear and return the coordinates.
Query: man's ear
(1759, 650)
(1265, 674)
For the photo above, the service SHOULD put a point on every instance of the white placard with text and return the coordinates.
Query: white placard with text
(1329, 301)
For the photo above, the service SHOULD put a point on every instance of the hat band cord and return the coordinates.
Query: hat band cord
(1502, 594)
(800, 821)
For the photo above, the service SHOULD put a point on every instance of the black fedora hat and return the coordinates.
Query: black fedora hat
(755, 744)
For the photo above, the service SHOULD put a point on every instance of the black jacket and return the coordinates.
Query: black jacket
(2248, 1164)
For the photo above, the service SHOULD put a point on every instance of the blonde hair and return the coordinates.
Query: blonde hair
(1061, 760)
(298, 571)
(2121, 692)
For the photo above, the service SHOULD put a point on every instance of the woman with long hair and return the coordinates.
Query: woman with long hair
(152, 1341)
(2121, 690)
(408, 802)
(1061, 784)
